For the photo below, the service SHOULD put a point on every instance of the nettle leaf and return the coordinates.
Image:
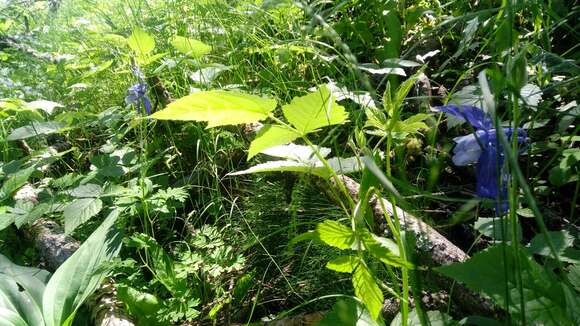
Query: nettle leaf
(218, 108)
(141, 42)
(344, 264)
(80, 275)
(313, 111)
(335, 234)
(560, 239)
(35, 129)
(366, 289)
(190, 47)
(80, 211)
(383, 249)
(269, 136)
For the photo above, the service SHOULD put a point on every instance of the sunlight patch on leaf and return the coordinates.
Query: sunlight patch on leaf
(218, 108)
(313, 111)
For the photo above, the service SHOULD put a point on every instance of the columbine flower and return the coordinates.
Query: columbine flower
(136, 95)
(482, 147)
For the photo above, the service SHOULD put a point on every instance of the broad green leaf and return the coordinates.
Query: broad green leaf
(339, 165)
(298, 153)
(306, 236)
(80, 275)
(218, 108)
(366, 289)
(495, 228)
(542, 291)
(560, 239)
(143, 306)
(335, 234)
(11, 318)
(44, 105)
(344, 264)
(313, 111)
(86, 191)
(24, 287)
(14, 181)
(190, 47)
(286, 166)
(141, 42)
(348, 313)
(35, 129)
(269, 136)
(80, 211)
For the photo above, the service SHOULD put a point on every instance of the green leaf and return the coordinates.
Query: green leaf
(44, 105)
(190, 47)
(80, 211)
(86, 191)
(80, 275)
(436, 318)
(141, 42)
(11, 318)
(383, 249)
(560, 239)
(218, 108)
(14, 182)
(35, 129)
(497, 275)
(298, 153)
(339, 165)
(141, 305)
(344, 264)
(495, 228)
(366, 289)
(162, 265)
(313, 111)
(335, 234)
(270, 136)
(348, 313)
(23, 287)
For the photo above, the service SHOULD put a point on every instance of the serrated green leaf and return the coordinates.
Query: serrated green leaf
(218, 108)
(344, 264)
(141, 42)
(80, 211)
(339, 165)
(270, 136)
(35, 129)
(366, 289)
(80, 275)
(190, 47)
(383, 249)
(335, 234)
(313, 111)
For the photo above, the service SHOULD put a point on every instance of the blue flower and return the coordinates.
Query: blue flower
(482, 148)
(136, 94)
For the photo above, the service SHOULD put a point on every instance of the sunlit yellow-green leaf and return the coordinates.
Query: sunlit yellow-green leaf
(270, 136)
(218, 108)
(190, 47)
(313, 111)
(141, 42)
(335, 234)
(366, 289)
(344, 264)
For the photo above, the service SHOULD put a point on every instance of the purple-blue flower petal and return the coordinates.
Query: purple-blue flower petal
(474, 115)
(468, 148)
